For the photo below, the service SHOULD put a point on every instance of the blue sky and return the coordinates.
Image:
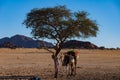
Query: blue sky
(106, 12)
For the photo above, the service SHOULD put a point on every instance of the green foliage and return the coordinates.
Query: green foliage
(59, 23)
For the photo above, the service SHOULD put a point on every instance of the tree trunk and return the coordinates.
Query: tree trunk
(56, 62)
(55, 58)
(56, 66)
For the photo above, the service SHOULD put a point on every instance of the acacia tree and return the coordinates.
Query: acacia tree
(60, 24)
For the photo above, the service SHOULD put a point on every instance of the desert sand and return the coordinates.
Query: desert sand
(92, 64)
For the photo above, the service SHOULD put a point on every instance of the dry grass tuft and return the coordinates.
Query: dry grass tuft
(92, 64)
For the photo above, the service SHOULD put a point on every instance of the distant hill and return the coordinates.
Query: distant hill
(23, 41)
(27, 42)
(79, 44)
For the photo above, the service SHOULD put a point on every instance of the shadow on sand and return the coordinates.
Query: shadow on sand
(19, 78)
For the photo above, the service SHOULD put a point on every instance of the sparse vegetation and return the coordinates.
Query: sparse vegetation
(92, 64)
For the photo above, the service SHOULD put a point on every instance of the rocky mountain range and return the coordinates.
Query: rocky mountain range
(21, 41)
(79, 44)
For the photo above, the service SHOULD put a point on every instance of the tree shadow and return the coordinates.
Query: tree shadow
(19, 78)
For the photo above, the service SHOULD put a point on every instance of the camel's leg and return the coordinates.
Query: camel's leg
(67, 70)
(75, 63)
(72, 68)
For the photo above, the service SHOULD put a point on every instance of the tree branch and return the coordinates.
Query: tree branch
(49, 50)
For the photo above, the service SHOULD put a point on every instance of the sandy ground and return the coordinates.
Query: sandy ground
(92, 64)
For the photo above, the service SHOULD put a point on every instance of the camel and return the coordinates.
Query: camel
(70, 61)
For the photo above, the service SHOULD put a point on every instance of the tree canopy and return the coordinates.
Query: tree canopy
(59, 23)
